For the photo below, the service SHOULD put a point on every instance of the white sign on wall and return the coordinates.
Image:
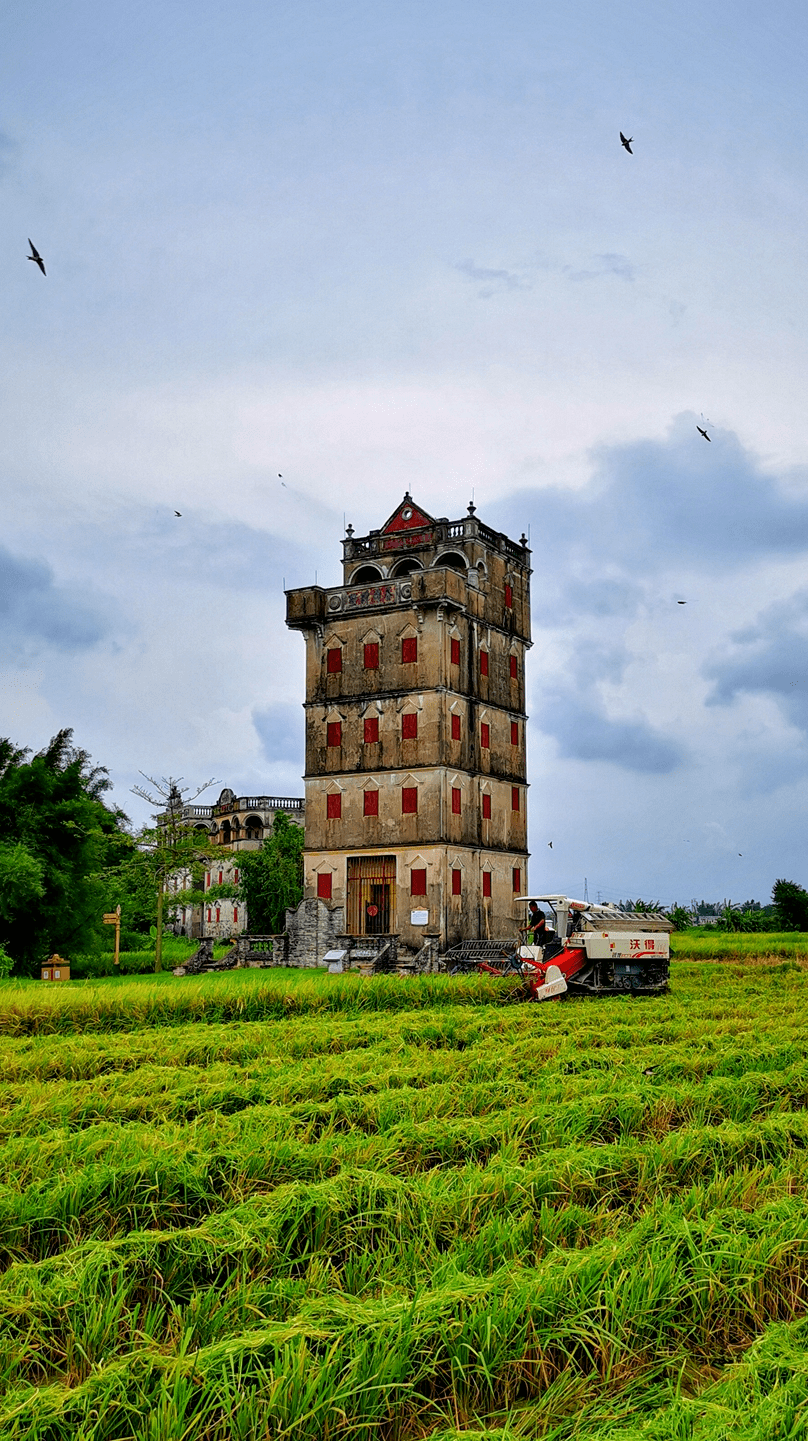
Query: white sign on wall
(419, 918)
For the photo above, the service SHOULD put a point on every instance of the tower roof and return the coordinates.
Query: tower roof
(407, 516)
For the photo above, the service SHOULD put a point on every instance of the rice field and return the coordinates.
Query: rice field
(280, 1205)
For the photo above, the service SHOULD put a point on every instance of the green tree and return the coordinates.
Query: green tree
(56, 838)
(172, 849)
(680, 918)
(791, 906)
(272, 877)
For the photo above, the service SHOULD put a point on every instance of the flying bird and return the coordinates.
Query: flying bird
(36, 257)
(550, 844)
(681, 602)
(179, 513)
(626, 143)
(703, 432)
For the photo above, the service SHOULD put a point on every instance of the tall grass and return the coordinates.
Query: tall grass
(297, 1206)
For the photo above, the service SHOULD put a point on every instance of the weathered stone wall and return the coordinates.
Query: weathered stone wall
(312, 928)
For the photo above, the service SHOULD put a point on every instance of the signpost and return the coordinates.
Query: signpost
(113, 918)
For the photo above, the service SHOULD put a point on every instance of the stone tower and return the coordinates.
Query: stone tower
(416, 779)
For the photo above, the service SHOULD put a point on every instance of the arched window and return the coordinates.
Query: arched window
(454, 560)
(366, 575)
(406, 566)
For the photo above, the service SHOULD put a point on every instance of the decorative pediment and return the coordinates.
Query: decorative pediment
(407, 516)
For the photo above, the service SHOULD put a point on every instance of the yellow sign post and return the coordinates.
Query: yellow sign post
(113, 918)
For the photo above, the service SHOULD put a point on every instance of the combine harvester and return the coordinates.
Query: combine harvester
(581, 949)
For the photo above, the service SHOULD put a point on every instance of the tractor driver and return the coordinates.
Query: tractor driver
(536, 925)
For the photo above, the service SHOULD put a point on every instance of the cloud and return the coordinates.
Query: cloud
(281, 732)
(585, 733)
(493, 280)
(35, 611)
(769, 658)
(608, 264)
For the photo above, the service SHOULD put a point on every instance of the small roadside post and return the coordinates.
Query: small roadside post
(113, 918)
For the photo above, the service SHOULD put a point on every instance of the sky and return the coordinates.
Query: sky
(376, 247)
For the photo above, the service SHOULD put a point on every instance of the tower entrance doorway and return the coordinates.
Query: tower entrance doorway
(371, 894)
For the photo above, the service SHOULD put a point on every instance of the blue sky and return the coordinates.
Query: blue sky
(378, 247)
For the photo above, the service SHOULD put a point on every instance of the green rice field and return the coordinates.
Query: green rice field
(284, 1205)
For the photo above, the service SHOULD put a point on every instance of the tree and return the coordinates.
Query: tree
(680, 918)
(791, 906)
(56, 837)
(173, 848)
(272, 877)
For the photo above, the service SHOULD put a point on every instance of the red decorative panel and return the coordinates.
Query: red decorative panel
(514, 733)
(514, 798)
(457, 882)
(486, 807)
(486, 883)
(417, 883)
(371, 803)
(456, 794)
(483, 662)
(508, 596)
(334, 660)
(409, 725)
(455, 727)
(372, 655)
(409, 800)
(333, 807)
(455, 652)
(371, 730)
(517, 880)
(485, 736)
(409, 649)
(334, 733)
(513, 668)
(324, 885)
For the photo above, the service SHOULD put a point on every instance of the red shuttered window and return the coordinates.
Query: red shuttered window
(218, 914)
(485, 736)
(235, 914)
(483, 662)
(514, 798)
(372, 655)
(208, 912)
(371, 803)
(220, 877)
(514, 733)
(371, 731)
(486, 807)
(409, 800)
(486, 883)
(333, 807)
(324, 885)
(334, 733)
(456, 800)
(517, 880)
(235, 875)
(409, 725)
(457, 882)
(513, 667)
(509, 596)
(455, 727)
(417, 883)
(334, 660)
(409, 649)
(455, 649)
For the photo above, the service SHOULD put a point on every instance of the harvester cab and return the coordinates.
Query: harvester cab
(586, 949)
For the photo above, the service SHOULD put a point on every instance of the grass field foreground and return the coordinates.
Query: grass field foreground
(302, 1206)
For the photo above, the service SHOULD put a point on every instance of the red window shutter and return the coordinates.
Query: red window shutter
(209, 912)
(417, 883)
(334, 662)
(371, 730)
(455, 647)
(513, 667)
(220, 878)
(509, 596)
(409, 649)
(483, 662)
(457, 882)
(409, 800)
(324, 885)
(235, 875)
(485, 736)
(218, 914)
(235, 914)
(456, 800)
(514, 733)
(486, 883)
(455, 727)
(371, 803)
(486, 807)
(333, 807)
(514, 798)
(372, 655)
(409, 725)
(517, 880)
(207, 879)
(334, 733)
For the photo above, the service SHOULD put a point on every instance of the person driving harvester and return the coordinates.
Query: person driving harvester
(538, 933)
